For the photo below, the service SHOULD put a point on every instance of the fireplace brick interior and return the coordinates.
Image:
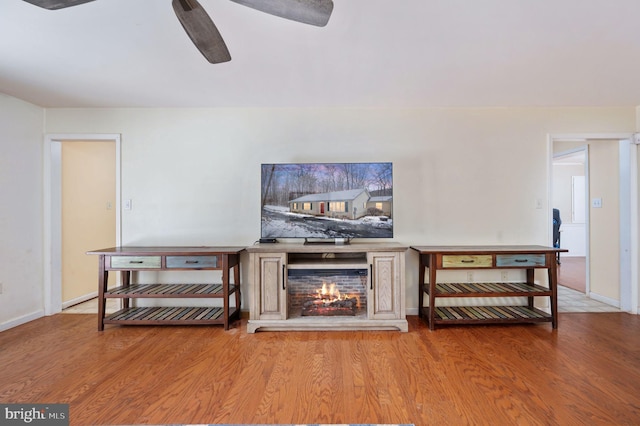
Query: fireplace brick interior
(304, 284)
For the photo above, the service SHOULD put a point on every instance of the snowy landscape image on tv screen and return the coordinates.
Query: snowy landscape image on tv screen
(327, 200)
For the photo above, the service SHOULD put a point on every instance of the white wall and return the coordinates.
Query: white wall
(635, 274)
(635, 278)
(461, 176)
(21, 239)
(604, 223)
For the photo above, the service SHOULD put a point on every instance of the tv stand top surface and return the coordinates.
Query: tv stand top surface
(325, 248)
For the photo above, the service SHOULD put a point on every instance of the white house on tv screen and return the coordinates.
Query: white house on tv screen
(348, 204)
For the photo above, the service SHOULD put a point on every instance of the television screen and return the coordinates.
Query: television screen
(327, 200)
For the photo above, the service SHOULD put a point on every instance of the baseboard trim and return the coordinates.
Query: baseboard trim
(21, 320)
(80, 299)
(609, 301)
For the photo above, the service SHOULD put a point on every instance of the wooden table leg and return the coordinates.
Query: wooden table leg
(126, 281)
(553, 285)
(432, 291)
(103, 277)
(236, 283)
(225, 289)
(531, 282)
(421, 285)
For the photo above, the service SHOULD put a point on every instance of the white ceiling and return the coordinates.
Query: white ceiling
(373, 53)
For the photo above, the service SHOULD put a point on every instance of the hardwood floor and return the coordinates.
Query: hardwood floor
(585, 372)
(572, 273)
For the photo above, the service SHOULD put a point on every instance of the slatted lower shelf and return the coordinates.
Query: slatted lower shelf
(489, 314)
(169, 290)
(491, 289)
(167, 315)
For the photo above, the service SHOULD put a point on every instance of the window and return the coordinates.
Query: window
(306, 206)
(379, 206)
(337, 206)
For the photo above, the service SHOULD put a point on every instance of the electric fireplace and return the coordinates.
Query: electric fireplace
(357, 286)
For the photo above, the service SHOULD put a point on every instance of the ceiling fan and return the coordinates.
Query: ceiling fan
(203, 32)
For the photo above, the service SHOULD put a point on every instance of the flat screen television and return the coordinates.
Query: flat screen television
(327, 201)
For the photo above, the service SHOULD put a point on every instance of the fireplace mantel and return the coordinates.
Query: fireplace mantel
(269, 266)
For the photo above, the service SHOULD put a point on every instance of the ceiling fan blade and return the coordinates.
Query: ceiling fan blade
(201, 30)
(313, 12)
(56, 4)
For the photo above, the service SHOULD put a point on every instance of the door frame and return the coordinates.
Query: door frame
(52, 251)
(628, 174)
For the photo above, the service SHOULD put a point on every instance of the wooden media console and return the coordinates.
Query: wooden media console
(382, 267)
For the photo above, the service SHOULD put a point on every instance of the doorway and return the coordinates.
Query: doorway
(610, 173)
(569, 197)
(54, 218)
(88, 192)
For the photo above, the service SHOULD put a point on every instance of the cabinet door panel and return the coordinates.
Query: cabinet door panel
(383, 303)
(271, 278)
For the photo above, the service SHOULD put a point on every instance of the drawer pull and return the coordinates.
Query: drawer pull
(136, 261)
(467, 261)
(192, 262)
(522, 260)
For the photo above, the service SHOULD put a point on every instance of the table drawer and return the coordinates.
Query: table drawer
(467, 261)
(520, 260)
(136, 262)
(192, 262)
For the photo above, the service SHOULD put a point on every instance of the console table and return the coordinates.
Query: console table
(131, 259)
(525, 257)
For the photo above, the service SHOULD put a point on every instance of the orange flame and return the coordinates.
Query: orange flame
(330, 293)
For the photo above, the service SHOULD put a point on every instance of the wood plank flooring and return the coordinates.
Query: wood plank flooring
(585, 372)
(572, 273)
